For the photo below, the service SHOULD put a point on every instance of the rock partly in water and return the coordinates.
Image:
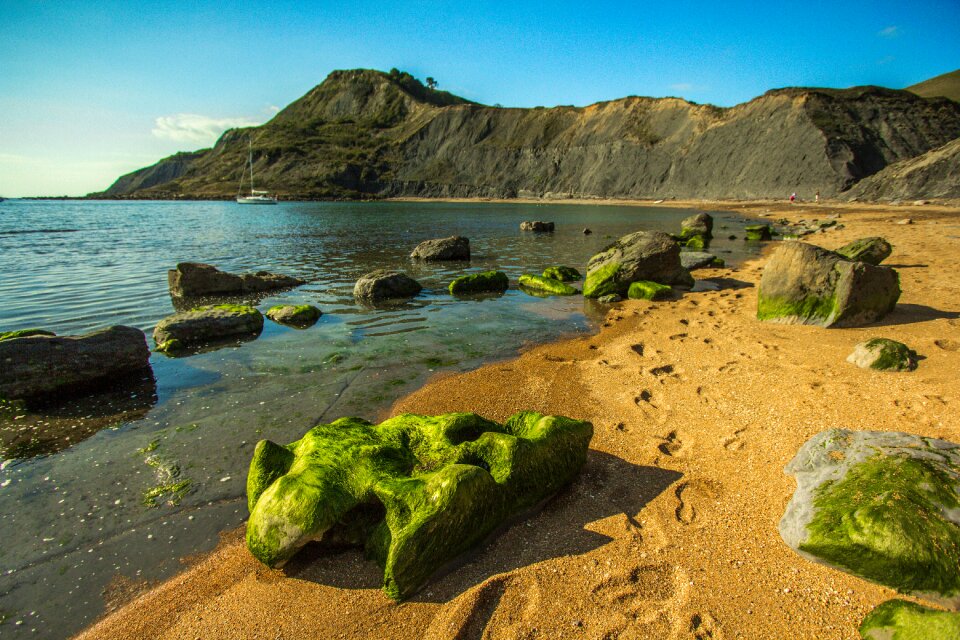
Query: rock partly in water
(700, 224)
(547, 285)
(642, 255)
(870, 250)
(586, 231)
(610, 298)
(804, 284)
(452, 248)
(538, 226)
(205, 325)
(300, 315)
(883, 355)
(384, 284)
(563, 274)
(24, 333)
(758, 232)
(485, 281)
(192, 279)
(904, 620)
(884, 506)
(40, 365)
(646, 290)
(415, 491)
(695, 243)
(691, 260)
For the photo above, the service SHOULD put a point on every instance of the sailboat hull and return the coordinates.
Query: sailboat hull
(256, 200)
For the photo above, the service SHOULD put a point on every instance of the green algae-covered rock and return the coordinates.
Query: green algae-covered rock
(696, 243)
(698, 225)
(203, 325)
(547, 285)
(610, 298)
(300, 315)
(758, 232)
(415, 491)
(646, 290)
(24, 333)
(883, 355)
(884, 506)
(642, 255)
(904, 620)
(480, 282)
(870, 250)
(563, 274)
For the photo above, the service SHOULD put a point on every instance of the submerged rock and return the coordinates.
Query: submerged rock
(538, 226)
(646, 290)
(758, 232)
(904, 620)
(883, 355)
(301, 315)
(563, 274)
(884, 506)
(804, 284)
(415, 491)
(642, 255)
(204, 325)
(384, 284)
(610, 298)
(41, 364)
(452, 248)
(691, 260)
(870, 250)
(480, 282)
(191, 279)
(547, 285)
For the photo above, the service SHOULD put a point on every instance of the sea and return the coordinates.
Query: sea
(104, 493)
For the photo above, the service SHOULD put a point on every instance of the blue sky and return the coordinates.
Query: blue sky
(91, 90)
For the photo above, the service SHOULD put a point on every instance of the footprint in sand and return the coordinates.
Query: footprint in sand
(947, 345)
(671, 444)
(705, 627)
(639, 600)
(734, 442)
(678, 336)
(637, 348)
(695, 500)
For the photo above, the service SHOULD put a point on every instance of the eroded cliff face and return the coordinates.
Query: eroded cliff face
(370, 134)
(935, 174)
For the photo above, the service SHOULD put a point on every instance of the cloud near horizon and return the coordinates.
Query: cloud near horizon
(191, 127)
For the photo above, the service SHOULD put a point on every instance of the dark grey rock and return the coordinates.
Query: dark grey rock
(870, 250)
(192, 279)
(642, 255)
(538, 226)
(205, 325)
(691, 260)
(452, 248)
(384, 284)
(700, 224)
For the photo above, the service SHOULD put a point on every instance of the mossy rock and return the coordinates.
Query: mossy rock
(24, 333)
(547, 285)
(480, 282)
(696, 243)
(700, 224)
(301, 315)
(647, 290)
(882, 506)
(758, 232)
(416, 491)
(870, 250)
(642, 255)
(610, 298)
(904, 620)
(204, 325)
(563, 274)
(883, 355)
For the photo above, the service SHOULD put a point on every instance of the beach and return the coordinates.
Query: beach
(670, 531)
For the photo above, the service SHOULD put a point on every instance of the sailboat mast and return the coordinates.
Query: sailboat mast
(251, 164)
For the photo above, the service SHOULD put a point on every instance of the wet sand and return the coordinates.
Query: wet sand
(671, 529)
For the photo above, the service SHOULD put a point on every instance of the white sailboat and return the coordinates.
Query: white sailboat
(255, 196)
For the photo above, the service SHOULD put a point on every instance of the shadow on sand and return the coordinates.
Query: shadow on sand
(912, 313)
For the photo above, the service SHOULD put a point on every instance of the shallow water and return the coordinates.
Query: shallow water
(75, 512)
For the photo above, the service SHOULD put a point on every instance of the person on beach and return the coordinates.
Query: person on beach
(793, 197)
(816, 197)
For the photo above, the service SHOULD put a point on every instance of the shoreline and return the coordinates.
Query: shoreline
(670, 530)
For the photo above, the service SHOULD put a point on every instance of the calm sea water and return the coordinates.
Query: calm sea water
(75, 511)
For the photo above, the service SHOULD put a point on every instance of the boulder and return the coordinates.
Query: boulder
(538, 226)
(884, 506)
(452, 248)
(870, 250)
(586, 231)
(384, 284)
(904, 620)
(883, 355)
(39, 365)
(642, 255)
(485, 281)
(758, 232)
(442, 485)
(547, 285)
(700, 224)
(563, 274)
(804, 284)
(301, 315)
(691, 260)
(191, 279)
(646, 290)
(695, 243)
(204, 325)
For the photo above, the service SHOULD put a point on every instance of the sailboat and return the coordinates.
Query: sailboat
(255, 196)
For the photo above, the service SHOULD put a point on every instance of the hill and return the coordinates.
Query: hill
(943, 86)
(935, 174)
(368, 134)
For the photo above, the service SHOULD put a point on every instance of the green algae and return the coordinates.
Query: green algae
(808, 308)
(718, 262)
(170, 346)
(563, 274)
(416, 491)
(172, 492)
(480, 282)
(893, 355)
(758, 232)
(696, 242)
(547, 285)
(239, 309)
(602, 281)
(904, 620)
(869, 250)
(24, 333)
(648, 290)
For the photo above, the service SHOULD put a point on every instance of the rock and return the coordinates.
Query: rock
(904, 620)
(804, 284)
(920, 203)
(905, 221)
(547, 285)
(691, 260)
(452, 248)
(870, 250)
(884, 506)
(538, 226)
(24, 333)
(610, 298)
(384, 284)
(758, 232)
(192, 279)
(883, 355)
(563, 274)
(642, 255)
(646, 290)
(700, 224)
(696, 243)
(301, 315)
(204, 325)
(480, 282)
(731, 237)
(42, 365)
(587, 232)
(442, 484)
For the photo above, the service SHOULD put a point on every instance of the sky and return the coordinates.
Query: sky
(91, 90)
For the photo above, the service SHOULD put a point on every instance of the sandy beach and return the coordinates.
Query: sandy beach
(670, 531)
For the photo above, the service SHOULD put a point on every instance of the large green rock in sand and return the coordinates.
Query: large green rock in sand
(903, 620)
(642, 255)
(883, 354)
(870, 250)
(646, 290)
(415, 491)
(884, 506)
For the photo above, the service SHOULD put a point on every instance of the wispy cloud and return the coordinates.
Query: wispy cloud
(191, 127)
(682, 86)
(889, 32)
